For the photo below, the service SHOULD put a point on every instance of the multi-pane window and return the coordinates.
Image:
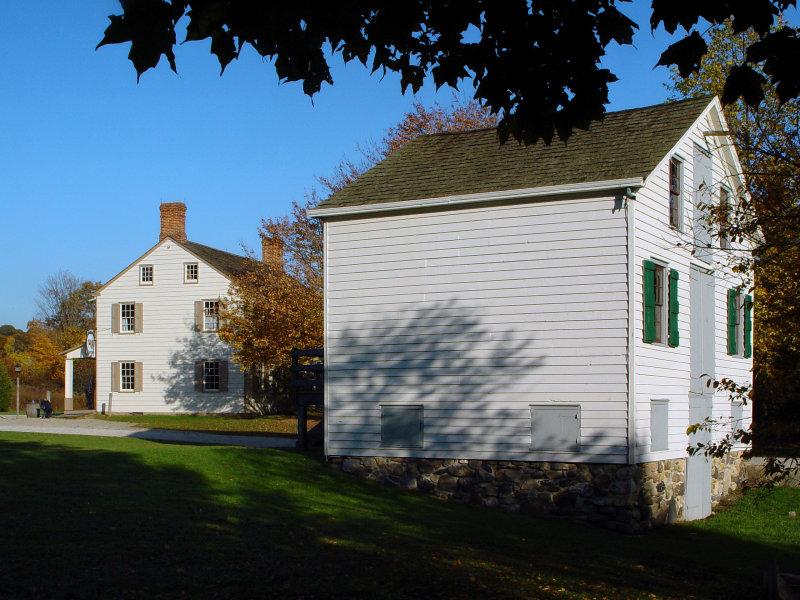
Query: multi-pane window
(658, 292)
(127, 318)
(190, 273)
(661, 305)
(675, 184)
(740, 324)
(211, 376)
(210, 315)
(127, 377)
(146, 275)
(725, 209)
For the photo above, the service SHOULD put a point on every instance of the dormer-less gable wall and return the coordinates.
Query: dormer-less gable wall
(166, 342)
(662, 370)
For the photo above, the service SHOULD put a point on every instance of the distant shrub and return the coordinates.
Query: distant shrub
(6, 389)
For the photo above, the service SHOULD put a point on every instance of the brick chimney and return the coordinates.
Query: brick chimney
(173, 221)
(272, 251)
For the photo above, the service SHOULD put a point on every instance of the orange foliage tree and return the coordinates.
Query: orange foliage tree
(273, 308)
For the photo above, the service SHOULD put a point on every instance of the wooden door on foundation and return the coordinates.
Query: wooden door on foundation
(701, 395)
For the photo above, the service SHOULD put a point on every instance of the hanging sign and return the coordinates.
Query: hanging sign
(90, 344)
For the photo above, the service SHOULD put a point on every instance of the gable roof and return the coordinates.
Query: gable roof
(225, 263)
(626, 144)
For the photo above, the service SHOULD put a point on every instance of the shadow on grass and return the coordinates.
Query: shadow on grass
(131, 519)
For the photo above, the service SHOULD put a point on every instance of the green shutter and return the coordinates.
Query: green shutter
(674, 309)
(733, 318)
(649, 278)
(748, 326)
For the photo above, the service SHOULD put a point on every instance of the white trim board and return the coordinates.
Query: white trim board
(550, 190)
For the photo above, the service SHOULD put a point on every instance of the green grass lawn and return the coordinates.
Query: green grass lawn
(123, 518)
(275, 425)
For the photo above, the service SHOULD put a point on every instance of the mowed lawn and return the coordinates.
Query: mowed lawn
(124, 518)
(272, 425)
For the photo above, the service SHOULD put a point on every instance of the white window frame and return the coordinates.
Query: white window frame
(207, 365)
(208, 307)
(740, 300)
(676, 206)
(662, 315)
(186, 269)
(127, 382)
(127, 324)
(142, 280)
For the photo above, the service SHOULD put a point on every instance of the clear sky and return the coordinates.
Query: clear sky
(87, 154)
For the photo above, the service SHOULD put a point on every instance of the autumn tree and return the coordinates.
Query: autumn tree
(65, 302)
(6, 388)
(65, 313)
(277, 304)
(461, 115)
(538, 64)
(768, 145)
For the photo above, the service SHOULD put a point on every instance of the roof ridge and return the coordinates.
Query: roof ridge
(706, 97)
(211, 248)
(435, 166)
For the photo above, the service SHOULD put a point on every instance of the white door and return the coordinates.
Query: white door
(701, 396)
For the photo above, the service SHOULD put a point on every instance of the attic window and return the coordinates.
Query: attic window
(145, 274)
(675, 199)
(190, 273)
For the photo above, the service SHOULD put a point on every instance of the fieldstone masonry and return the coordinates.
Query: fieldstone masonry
(622, 497)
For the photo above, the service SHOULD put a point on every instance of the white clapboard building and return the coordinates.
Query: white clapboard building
(549, 316)
(158, 349)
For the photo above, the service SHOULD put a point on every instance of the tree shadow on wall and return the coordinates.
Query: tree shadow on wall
(475, 370)
(179, 383)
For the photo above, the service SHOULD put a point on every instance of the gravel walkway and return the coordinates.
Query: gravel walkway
(77, 426)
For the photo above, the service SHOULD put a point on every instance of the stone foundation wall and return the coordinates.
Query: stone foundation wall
(727, 475)
(622, 497)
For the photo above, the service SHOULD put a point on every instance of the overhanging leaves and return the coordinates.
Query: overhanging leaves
(535, 64)
(685, 54)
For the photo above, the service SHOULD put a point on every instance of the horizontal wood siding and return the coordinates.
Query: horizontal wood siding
(476, 314)
(663, 372)
(169, 344)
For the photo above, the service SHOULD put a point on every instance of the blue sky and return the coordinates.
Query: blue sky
(88, 155)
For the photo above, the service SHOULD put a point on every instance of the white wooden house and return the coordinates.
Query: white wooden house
(158, 349)
(561, 307)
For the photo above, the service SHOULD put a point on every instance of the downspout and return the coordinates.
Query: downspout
(631, 247)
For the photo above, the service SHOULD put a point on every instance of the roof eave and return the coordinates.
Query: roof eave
(483, 197)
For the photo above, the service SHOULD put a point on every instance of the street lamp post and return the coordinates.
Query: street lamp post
(18, 369)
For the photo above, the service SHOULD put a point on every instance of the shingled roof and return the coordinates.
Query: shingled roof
(626, 144)
(225, 262)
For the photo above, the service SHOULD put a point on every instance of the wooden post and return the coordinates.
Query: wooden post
(68, 377)
(110, 398)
